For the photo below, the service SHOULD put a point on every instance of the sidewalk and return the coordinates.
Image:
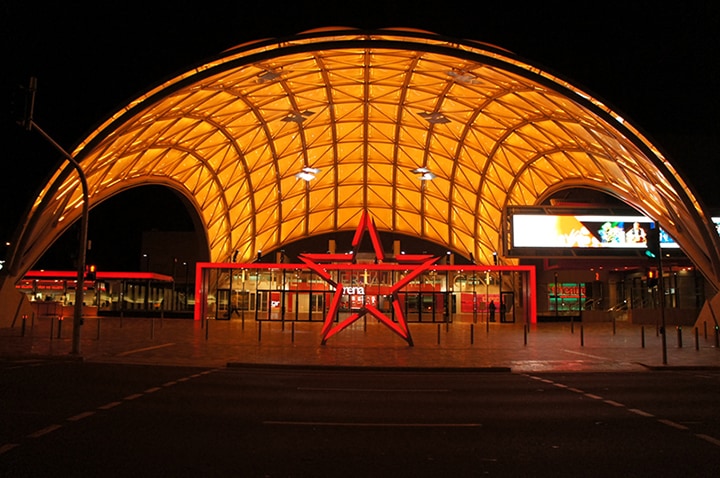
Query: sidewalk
(503, 347)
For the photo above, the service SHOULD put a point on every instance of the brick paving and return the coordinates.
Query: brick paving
(460, 345)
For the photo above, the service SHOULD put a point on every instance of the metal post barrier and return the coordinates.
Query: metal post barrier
(679, 335)
(525, 334)
(717, 337)
(293, 332)
(259, 330)
(207, 327)
(572, 325)
(582, 336)
(472, 334)
(22, 330)
(438, 333)
(642, 336)
(60, 322)
(697, 339)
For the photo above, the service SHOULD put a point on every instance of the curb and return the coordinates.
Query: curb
(379, 368)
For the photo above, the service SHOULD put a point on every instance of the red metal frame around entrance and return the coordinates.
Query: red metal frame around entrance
(201, 288)
(413, 264)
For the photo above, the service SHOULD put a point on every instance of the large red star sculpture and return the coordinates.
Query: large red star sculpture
(417, 264)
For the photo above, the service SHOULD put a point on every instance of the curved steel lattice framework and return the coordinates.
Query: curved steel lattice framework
(362, 115)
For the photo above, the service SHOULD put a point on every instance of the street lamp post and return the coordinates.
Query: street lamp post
(186, 285)
(30, 124)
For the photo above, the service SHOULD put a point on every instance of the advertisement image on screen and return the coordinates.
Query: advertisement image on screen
(583, 231)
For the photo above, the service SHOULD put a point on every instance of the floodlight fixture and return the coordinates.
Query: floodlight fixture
(434, 118)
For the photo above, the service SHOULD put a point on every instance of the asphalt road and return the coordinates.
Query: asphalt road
(89, 419)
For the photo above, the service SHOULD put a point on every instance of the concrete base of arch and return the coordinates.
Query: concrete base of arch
(710, 313)
(13, 304)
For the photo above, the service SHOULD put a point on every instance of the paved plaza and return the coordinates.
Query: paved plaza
(491, 346)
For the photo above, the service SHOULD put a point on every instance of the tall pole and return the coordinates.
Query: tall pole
(661, 293)
(30, 124)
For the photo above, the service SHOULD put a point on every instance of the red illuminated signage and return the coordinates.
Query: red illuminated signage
(419, 264)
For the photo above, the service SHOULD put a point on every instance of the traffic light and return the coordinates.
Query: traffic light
(90, 274)
(652, 244)
(652, 279)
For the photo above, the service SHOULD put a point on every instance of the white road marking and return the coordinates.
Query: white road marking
(377, 425)
(80, 416)
(145, 349)
(44, 431)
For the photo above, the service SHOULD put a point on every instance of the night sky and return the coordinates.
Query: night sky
(657, 66)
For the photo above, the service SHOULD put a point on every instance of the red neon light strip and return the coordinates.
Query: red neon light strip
(360, 229)
(331, 312)
(342, 325)
(410, 258)
(413, 274)
(375, 240)
(329, 257)
(402, 332)
(399, 313)
(319, 270)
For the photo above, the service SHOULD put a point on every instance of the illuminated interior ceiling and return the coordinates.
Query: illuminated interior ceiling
(280, 140)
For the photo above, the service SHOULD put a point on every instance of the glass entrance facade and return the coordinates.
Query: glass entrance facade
(294, 292)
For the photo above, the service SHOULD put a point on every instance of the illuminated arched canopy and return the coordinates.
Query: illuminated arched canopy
(366, 113)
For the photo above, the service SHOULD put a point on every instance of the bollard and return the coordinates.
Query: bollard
(472, 334)
(572, 325)
(697, 339)
(642, 336)
(438, 328)
(207, 327)
(582, 336)
(705, 329)
(22, 330)
(717, 337)
(259, 331)
(525, 333)
(293, 332)
(60, 322)
(679, 335)
(242, 321)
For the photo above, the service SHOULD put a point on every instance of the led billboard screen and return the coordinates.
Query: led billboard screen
(568, 231)
(583, 231)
